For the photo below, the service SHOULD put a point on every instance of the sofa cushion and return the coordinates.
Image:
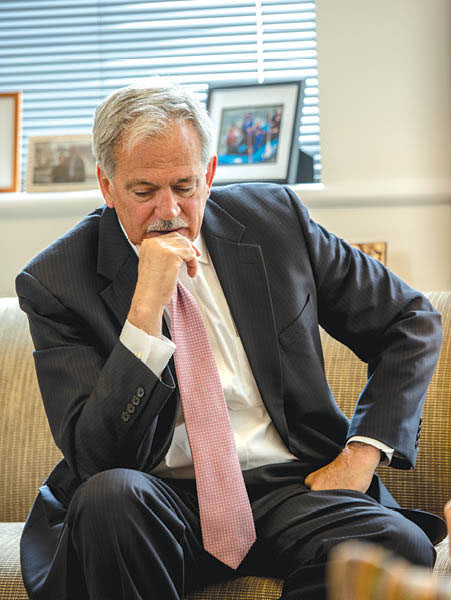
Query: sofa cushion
(24, 433)
(11, 585)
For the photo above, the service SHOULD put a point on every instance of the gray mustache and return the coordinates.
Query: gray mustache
(162, 225)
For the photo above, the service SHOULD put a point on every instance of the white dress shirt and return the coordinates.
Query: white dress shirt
(256, 438)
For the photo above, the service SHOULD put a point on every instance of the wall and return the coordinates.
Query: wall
(418, 238)
(385, 93)
(30, 222)
(385, 97)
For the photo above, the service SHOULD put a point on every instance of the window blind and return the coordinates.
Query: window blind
(67, 56)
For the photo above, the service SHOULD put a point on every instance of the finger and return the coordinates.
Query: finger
(182, 249)
(191, 267)
(448, 512)
(448, 522)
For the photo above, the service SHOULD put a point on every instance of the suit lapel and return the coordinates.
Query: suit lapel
(241, 271)
(117, 263)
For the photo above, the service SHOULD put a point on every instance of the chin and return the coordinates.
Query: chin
(152, 234)
(182, 231)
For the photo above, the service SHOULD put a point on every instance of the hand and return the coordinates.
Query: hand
(353, 469)
(448, 521)
(160, 259)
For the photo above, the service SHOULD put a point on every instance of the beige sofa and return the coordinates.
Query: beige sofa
(28, 453)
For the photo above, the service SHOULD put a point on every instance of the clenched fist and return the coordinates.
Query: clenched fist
(160, 259)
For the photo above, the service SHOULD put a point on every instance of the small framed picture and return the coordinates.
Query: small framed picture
(60, 163)
(377, 250)
(256, 131)
(10, 140)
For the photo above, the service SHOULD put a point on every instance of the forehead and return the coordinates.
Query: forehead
(178, 146)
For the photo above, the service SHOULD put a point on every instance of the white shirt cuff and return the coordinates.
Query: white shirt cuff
(382, 447)
(153, 352)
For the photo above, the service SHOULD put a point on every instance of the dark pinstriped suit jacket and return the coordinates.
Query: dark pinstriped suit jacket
(282, 274)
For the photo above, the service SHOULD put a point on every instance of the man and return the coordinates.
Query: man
(119, 516)
(75, 166)
(59, 171)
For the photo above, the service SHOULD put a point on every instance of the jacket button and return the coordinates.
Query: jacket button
(135, 400)
(140, 392)
(125, 416)
(131, 408)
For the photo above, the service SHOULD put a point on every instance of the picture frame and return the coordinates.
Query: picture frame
(60, 163)
(377, 250)
(10, 140)
(256, 131)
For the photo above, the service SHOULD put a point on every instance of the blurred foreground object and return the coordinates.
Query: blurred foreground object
(361, 571)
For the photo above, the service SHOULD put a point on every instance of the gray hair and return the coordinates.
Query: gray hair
(144, 112)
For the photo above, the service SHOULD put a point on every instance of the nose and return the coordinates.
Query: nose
(167, 207)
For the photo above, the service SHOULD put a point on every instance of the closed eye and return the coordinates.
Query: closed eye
(145, 194)
(183, 190)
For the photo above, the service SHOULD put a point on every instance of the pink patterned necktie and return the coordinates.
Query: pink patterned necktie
(226, 520)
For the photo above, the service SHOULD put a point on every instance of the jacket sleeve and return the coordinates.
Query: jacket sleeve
(103, 411)
(387, 324)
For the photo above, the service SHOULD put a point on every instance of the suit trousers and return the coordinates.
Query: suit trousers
(134, 536)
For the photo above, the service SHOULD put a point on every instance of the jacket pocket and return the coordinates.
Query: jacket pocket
(300, 326)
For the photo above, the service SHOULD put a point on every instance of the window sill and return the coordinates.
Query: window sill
(49, 203)
(314, 195)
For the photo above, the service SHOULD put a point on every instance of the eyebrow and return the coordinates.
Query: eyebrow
(130, 184)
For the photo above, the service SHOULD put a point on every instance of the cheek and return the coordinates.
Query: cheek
(195, 215)
(198, 206)
(134, 215)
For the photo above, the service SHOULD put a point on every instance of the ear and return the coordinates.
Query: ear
(211, 170)
(105, 187)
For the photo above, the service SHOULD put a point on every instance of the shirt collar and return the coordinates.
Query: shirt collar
(200, 244)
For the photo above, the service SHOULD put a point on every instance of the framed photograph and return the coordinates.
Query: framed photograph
(377, 250)
(256, 131)
(60, 163)
(10, 140)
